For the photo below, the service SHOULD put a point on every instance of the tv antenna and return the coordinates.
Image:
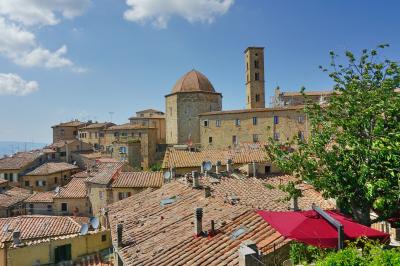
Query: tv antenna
(111, 115)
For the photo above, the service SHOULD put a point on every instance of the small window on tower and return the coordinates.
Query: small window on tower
(257, 97)
(257, 76)
(205, 123)
(210, 140)
(256, 64)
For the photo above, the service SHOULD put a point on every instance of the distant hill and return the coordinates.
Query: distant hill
(11, 147)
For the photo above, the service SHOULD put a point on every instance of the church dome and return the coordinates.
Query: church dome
(193, 81)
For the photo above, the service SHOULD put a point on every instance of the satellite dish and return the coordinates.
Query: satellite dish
(94, 222)
(167, 175)
(84, 229)
(57, 189)
(207, 166)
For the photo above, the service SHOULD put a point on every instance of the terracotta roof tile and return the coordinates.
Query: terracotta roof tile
(19, 160)
(37, 227)
(13, 196)
(51, 168)
(128, 126)
(103, 173)
(139, 180)
(163, 234)
(241, 155)
(41, 197)
(98, 125)
(76, 188)
(74, 123)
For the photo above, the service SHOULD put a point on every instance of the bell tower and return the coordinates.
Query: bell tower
(255, 88)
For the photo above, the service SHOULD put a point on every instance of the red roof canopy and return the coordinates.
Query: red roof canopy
(311, 228)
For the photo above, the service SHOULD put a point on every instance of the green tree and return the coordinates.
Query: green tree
(353, 151)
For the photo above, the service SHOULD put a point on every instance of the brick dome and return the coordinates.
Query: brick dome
(193, 81)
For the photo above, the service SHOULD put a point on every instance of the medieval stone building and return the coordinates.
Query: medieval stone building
(192, 95)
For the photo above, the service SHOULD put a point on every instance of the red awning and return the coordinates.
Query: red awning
(311, 228)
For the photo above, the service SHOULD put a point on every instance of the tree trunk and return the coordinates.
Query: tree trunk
(361, 212)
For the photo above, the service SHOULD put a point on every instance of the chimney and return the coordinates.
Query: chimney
(229, 166)
(195, 176)
(217, 166)
(202, 167)
(207, 192)
(119, 235)
(248, 253)
(212, 230)
(294, 203)
(16, 237)
(254, 169)
(198, 220)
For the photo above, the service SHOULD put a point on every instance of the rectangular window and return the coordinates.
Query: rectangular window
(62, 253)
(300, 119)
(300, 135)
(55, 180)
(205, 123)
(101, 195)
(257, 76)
(101, 134)
(217, 123)
(64, 207)
(26, 183)
(256, 64)
(6, 176)
(255, 121)
(237, 122)
(276, 136)
(255, 137)
(234, 140)
(257, 97)
(103, 238)
(49, 208)
(276, 120)
(123, 195)
(210, 140)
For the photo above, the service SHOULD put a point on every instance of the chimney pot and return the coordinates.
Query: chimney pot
(119, 235)
(294, 204)
(198, 221)
(195, 176)
(207, 192)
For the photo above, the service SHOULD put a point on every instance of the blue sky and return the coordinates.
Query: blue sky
(86, 59)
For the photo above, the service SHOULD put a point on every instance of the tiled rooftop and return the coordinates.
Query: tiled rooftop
(157, 232)
(19, 160)
(103, 173)
(41, 197)
(241, 155)
(98, 125)
(139, 180)
(74, 123)
(51, 168)
(254, 110)
(36, 227)
(128, 126)
(76, 188)
(13, 196)
(61, 143)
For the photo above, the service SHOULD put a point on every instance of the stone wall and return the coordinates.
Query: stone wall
(220, 129)
(182, 114)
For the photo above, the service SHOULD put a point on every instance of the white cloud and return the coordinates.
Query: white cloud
(42, 12)
(18, 42)
(158, 12)
(12, 84)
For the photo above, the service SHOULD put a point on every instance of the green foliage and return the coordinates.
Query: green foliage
(156, 167)
(304, 254)
(362, 253)
(353, 153)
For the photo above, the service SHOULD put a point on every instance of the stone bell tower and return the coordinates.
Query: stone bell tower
(255, 87)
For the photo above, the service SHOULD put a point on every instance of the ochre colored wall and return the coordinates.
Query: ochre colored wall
(287, 127)
(80, 245)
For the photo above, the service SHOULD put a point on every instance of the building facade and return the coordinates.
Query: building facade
(94, 134)
(192, 95)
(67, 130)
(227, 129)
(152, 119)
